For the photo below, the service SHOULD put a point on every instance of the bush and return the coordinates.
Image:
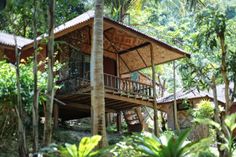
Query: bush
(204, 109)
(125, 148)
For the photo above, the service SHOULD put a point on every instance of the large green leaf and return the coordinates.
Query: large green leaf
(87, 144)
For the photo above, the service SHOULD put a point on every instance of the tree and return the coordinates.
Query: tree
(35, 110)
(50, 84)
(119, 8)
(23, 151)
(97, 76)
(212, 22)
(66, 10)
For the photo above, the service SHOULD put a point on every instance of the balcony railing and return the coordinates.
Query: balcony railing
(111, 82)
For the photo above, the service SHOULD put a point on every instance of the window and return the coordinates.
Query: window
(79, 64)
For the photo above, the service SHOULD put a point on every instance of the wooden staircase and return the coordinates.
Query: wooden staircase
(135, 119)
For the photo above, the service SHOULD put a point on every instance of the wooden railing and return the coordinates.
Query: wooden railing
(111, 82)
(127, 86)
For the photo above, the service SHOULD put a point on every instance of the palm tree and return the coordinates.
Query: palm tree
(97, 78)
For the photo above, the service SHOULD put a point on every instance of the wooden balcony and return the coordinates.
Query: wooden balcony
(120, 94)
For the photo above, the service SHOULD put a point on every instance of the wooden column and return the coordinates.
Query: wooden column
(140, 117)
(156, 127)
(118, 121)
(170, 117)
(55, 115)
(117, 65)
(108, 119)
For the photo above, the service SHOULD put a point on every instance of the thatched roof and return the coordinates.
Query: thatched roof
(195, 94)
(7, 40)
(131, 45)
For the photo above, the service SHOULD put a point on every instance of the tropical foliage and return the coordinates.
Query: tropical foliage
(204, 28)
(169, 145)
(8, 84)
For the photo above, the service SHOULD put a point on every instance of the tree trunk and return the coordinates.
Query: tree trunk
(23, 152)
(155, 119)
(50, 85)
(217, 116)
(175, 103)
(218, 119)
(97, 76)
(36, 92)
(234, 90)
(224, 73)
(162, 87)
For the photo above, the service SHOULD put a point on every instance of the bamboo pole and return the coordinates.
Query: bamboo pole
(156, 127)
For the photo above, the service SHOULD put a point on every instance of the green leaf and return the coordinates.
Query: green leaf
(87, 144)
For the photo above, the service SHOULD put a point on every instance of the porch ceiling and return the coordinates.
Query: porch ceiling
(133, 47)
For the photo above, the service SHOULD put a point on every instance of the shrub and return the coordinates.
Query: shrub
(204, 109)
(84, 149)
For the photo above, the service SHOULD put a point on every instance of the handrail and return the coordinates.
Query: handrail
(127, 79)
(115, 83)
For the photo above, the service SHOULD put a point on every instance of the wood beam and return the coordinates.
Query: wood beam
(120, 104)
(128, 107)
(86, 107)
(111, 43)
(117, 52)
(134, 48)
(141, 58)
(125, 63)
(130, 100)
(107, 101)
(114, 103)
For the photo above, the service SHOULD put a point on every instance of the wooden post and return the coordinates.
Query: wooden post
(108, 121)
(55, 115)
(156, 127)
(118, 121)
(140, 117)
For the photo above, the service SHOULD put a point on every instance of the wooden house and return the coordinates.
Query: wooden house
(188, 99)
(126, 50)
